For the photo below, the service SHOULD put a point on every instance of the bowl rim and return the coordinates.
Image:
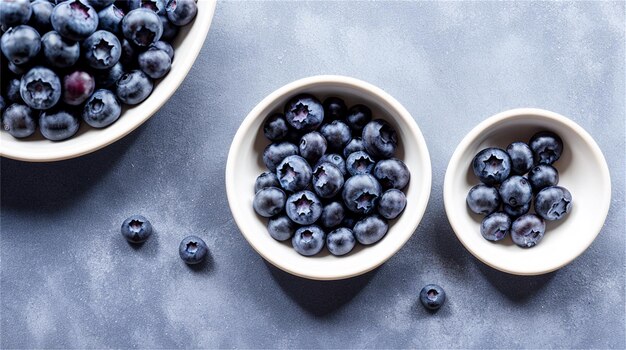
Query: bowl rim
(353, 83)
(513, 114)
(194, 49)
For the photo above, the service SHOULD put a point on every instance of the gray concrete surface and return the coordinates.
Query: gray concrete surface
(68, 280)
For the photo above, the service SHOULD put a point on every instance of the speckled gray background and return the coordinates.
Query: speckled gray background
(68, 279)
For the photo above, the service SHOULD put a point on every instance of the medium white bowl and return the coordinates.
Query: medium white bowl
(187, 45)
(245, 164)
(582, 169)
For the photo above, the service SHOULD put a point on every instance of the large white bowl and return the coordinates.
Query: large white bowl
(187, 45)
(582, 169)
(245, 164)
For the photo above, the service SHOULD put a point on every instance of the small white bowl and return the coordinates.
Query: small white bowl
(245, 164)
(582, 169)
(187, 46)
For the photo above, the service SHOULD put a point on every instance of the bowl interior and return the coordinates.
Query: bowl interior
(582, 170)
(245, 164)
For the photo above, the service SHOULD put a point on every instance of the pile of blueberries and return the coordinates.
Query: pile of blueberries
(502, 173)
(331, 169)
(64, 61)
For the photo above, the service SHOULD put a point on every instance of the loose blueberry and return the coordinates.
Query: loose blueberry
(483, 199)
(134, 87)
(354, 145)
(106, 78)
(304, 207)
(193, 250)
(333, 214)
(304, 112)
(334, 159)
(74, 19)
(370, 230)
(294, 173)
(58, 125)
(58, 51)
(14, 12)
(361, 193)
(521, 157)
(155, 63)
(308, 240)
(20, 44)
(274, 154)
(102, 109)
(358, 116)
(275, 127)
(269, 201)
(340, 241)
(267, 179)
(380, 139)
(391, 204)
(312, 146)
(40, 88)
(515, 212)
(359, 163)
(136, 229)
(553, 203)
(496, 226)
(142, 27)
(18, 120)
(102, 50)
(515, 191)
(327, 180)
(546, 146)
(337, 133)
(77, 87)
(392, 173)
(492, 165)
(281, 228)
(181, 12)
(432, 296)
(528, 230)
(542, 176)
(40, 18)
(335, 108)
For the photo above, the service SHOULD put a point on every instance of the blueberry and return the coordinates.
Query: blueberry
(547, 147)
(77, 87)
(517, 211)
(157, 6)
(2, 105)
(20, 44)
(552, 203)
(380, 139)
(13, 91)
(155, 63)
(269, 201)
(102, 109)
(40, 18)
(334, 159)
(281, 228)
(58, 51)
(276, 152)
(193, 250)
(391, 204)
(335, 108)
(333, 214)
(99, 4)
(294, 173)
(543, 175)
(169, 29)
(58, 125)
(515, 191)
(181, 12)
(18, 120)
(312, 146)
(327, 180)
(361, 193)
(483, 199)
(308, 240)
(74, 19)
(129, 55)
(496, 226)
(392, 173)
(102, 50)
(528, 230)
(275, 127)
(492, 165)
(162, 45)
(136, 229)
(359, 163)
(19, 69)
(14, 12)
(350, 219)
(340, 241)
(358, 116)
(432, 296)
(370, 229)
(106, 78)
(521, 157)
(354, 145)
(110, 19)
(40, 88)
(267, 179)
(133, 87)
(337, 133)
(304, 207)
(142, 27)
(304, 112)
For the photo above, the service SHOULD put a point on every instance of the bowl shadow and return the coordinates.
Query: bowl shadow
(518, 289)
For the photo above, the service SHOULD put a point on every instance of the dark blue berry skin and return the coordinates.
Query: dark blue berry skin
(359, 163)
(74, 20)
(136, 229)
(102, 109)
(18, 69)
(521, 157)
(392, 173)
(361, 193)
(276, 152)
(267, 179)
(337, 133)
(515, 212)
(269, 201)
(142, 27)
(294, 173)
(102, 50)
(162, 45)
(2, 105)
(106, 78)
(327, 180)
(350, 219)
(432, 296)
(370, 229)
(492, 165)
(358, 116)
(20, 44)
(77, 87)
(547, 147)
(496, 226)
(18, 120)
(334, 159)
(304, 112)
(100, 4)
(157, 6)
(40, 18)
(58, 51)
(380, 139)
(169, 29)
(181, 12)
(333, 214)
(129, 54)
(340, 241)
(391, 204)
(110, 19)
(13, 91)
(335, 108)
(133, 87)
(281, 228)
(193, 250)
(155, 63)
(515, 191)
(553, 203)
(354, 145)
(58, 125)
(308, 240)
(275, 127)
(304, 207)
(312, 146)
(528, 230)
(14, 13)
(40, 88)
(542, 176)
(483, 199)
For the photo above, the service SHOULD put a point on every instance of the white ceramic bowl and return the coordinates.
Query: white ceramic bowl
(187, 45)
(582, 169)
(245, 164)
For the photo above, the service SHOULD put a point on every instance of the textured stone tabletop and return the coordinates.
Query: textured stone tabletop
(69, 280)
